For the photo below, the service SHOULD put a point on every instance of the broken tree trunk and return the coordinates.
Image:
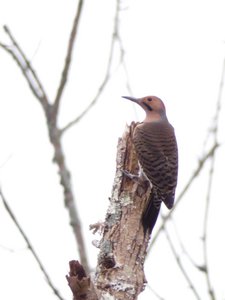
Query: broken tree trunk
(120, 270)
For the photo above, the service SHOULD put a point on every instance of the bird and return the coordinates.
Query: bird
(157, 152)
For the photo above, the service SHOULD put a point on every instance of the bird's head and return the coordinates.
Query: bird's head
(152, 105)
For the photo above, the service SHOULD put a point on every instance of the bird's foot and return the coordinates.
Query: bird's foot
(141, 179)
(97, 227)
(130, 175)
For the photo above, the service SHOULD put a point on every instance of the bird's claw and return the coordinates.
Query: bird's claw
(130, 175)
(97, 227)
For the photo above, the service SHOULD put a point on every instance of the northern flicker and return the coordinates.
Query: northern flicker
(156, 147)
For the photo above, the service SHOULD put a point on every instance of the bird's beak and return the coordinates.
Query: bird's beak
(131, 98)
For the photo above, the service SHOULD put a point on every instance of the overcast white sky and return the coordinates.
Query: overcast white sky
(175, 50)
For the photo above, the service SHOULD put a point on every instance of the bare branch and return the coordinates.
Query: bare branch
(69, 197)
(115, 37)
(54, 136)
(29, 246)
(25, 66)
(182, 269)
(68, 58)
(183, 192)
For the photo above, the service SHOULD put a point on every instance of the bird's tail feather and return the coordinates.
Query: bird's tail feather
(150, 213)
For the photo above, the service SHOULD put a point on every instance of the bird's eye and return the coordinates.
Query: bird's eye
(149, 99)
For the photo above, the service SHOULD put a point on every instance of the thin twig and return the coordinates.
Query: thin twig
(155, 293)
(184, 250)
(182, 269)
(26, 73)
(205, 229)
(68, 58)
(107, 76)
(183, 192)
(128, 84)
(208, 196)
(7, 248)
(29, 246)
(33, 80)
(123, 62)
